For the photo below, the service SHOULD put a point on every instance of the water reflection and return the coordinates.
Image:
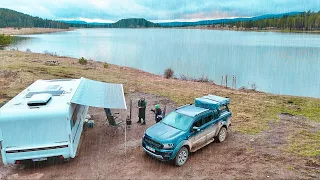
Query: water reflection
(280, 63)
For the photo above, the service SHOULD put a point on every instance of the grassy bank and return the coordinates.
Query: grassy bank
(252, 111)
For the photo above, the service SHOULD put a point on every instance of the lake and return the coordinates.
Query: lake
(279, 63)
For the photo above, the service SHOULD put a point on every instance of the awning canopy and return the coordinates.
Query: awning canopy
(99, 94)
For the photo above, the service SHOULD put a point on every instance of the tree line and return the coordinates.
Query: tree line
(10, 18)
(304, 21)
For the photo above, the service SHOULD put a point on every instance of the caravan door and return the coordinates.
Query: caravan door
(77, 120)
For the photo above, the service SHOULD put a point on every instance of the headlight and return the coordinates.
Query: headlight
(167, 146)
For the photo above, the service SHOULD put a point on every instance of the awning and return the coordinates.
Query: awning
(99, 94)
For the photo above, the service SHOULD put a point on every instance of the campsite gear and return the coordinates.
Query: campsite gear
(142, 103)
(64, 114)
(157, 113)
(128, 120)
(107, 111)
(188, 128)
(90, 124)
(164, 111)
(111, 120)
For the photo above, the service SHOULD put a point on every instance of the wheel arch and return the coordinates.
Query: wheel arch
(183, 143)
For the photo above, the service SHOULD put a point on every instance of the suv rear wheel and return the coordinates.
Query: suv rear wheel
(182, 156)
(222, 134)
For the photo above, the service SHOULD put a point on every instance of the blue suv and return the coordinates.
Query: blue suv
(188, 128)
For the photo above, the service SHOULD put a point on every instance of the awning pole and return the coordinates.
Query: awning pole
(125, 139)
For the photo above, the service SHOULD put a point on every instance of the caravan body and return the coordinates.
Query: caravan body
(46, 119)
(37, 129)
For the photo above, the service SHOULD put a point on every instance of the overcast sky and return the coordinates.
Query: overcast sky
(160, 10)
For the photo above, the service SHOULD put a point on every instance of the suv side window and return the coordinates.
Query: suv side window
(208, 118)
(198, 123)
(216, 114)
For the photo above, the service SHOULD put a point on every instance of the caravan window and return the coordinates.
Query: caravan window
(75, 115)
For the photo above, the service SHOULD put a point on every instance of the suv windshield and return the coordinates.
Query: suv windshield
(177, 120)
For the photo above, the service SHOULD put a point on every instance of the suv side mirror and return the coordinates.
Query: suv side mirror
(195, 129)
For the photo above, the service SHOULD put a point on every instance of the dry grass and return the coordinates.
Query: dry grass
(16, 31)
(252, 111)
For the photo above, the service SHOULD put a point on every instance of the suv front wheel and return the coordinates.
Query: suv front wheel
(182, 156)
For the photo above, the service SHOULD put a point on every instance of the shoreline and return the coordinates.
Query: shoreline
(248, 30)
(29, 31)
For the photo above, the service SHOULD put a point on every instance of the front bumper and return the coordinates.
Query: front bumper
(161, 154)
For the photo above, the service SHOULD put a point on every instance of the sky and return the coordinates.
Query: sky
(156, 11)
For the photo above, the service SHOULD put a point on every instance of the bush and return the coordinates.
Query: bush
(50, 53)
(203, 79)
(83, 61)
(5, 40)
(105, 65)
(254, 86)
(28, 50)
(168, 73)
(184, 77)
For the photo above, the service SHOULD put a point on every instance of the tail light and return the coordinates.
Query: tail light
(61, 157)
(17, 162)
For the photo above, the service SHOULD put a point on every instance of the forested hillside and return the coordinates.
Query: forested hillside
(304, 21)
(10, 18)
(133, 23)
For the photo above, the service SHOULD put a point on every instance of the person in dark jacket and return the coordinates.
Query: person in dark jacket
(157, 113)
(142, 104)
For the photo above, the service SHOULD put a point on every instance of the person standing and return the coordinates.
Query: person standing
(158, 113)
(142, 103)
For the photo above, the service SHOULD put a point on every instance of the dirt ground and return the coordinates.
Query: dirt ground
(102, 155)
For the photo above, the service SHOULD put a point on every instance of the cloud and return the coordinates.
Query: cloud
(164, 10)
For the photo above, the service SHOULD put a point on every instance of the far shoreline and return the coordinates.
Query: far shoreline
(29, 31)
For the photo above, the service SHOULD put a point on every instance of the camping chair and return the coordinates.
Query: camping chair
(111, 120)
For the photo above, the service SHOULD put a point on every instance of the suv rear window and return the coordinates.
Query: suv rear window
(223, 108)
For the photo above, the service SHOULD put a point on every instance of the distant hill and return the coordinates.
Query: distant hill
(11, 18)
(133, 23)
(123, 23)
(219, 21)
(84, 24)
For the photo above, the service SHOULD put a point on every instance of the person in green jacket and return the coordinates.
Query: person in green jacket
(142, 104)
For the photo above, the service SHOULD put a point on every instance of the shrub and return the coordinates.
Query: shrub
(203, 79)
(254, 86)
(50, 53)
(28, 50)
(184, 77)
(168, 73)
(83, 61)
(5, 40)
(105, 65)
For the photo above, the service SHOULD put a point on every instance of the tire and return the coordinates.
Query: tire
(181, 157)
(222, 135)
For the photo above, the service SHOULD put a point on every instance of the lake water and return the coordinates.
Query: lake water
(279, 63)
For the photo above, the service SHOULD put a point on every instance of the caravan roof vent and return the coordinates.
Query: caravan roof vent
(39, 99)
